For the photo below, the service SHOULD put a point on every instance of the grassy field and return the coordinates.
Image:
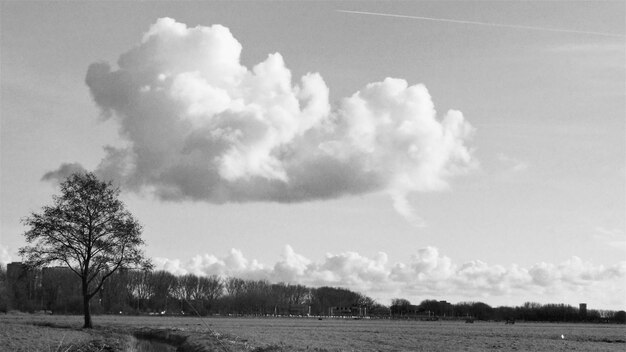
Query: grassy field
(44, 333)
(31, 333)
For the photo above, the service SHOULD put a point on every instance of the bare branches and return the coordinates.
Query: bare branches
(87, 229)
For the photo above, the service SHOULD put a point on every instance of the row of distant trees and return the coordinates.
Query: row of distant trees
(529, 311)
(57, 290)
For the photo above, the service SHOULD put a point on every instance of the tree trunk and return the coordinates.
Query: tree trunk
(86, 308)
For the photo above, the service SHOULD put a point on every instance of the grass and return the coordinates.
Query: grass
(29, 333)
(26, 333)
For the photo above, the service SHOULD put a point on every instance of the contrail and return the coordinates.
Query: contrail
(485, 23)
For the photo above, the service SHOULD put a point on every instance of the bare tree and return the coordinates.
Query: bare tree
(162, 285)
(298, 294)
(88, 230)
(211, 288)
(138, 288)
(235, 286)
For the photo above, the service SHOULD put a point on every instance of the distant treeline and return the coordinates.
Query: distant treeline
(529, 311)
(57, 291)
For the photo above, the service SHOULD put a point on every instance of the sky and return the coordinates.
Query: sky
(477, 159)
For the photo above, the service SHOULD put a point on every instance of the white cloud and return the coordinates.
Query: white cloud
(428, 274)
(63, 172)
(512, 164)
(201, 126)
(5, 256)
(292, 265)
(233, 264)
(611, 237)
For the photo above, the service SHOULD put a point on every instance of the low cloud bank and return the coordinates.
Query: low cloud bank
(428, 274)
(5, 257)
(200, 126)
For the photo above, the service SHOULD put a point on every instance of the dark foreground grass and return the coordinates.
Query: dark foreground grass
(35, 333)
(22, 336)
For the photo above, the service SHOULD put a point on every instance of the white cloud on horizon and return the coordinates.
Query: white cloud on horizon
(5, 256)
(428, 274)
(201, 126)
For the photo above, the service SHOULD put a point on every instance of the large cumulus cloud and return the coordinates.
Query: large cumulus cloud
(201, 126)
(427, 274)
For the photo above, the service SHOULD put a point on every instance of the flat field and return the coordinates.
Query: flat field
(309, 334)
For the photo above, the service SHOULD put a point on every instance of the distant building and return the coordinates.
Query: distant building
(354, 310)
(582, 310)
(54, 289)
(445, 309)
(334, 311)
